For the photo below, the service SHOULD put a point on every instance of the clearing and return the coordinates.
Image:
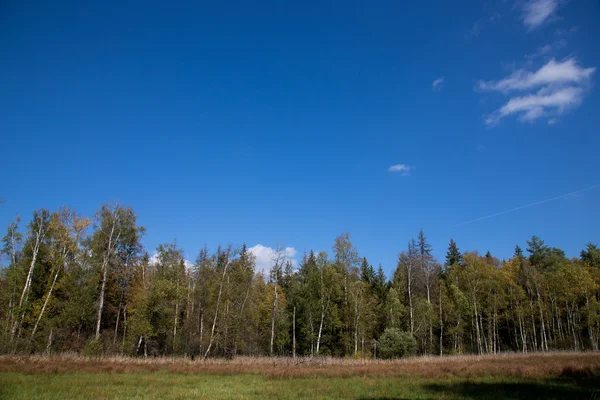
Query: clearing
(506, 376)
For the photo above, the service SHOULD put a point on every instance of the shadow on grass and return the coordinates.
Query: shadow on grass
(580, 388)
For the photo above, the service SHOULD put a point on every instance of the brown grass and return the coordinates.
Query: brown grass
(538, 365)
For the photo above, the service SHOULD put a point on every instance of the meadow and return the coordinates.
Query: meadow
(506, 376)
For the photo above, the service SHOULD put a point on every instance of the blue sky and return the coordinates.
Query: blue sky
(277, 122)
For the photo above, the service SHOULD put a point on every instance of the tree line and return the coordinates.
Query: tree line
(74, 284)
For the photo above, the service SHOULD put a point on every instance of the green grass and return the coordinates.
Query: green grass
(168, 385)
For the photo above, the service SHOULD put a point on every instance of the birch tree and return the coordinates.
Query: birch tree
(116, 232)
(223, 263)
(406, 272)
(278, 259)
(37, 233)
(11, 246)
(67, 231)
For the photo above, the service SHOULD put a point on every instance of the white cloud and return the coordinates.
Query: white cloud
(265, 256)
(552, 72)
(154, 260)
(437, 84)
(541, 51)
(560, 86)
(543, 103)
(536, 12)
(403, 168)
(547, 49)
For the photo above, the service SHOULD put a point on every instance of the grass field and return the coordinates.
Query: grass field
(540, 376)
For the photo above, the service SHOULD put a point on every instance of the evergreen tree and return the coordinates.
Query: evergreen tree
(453, 256)
(423, 246)
(367, 273)
(538, 252)
(518, 252)
(64, 283)
(591, 255)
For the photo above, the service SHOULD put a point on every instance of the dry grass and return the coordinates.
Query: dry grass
(539, 365)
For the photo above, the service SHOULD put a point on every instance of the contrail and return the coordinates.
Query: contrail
(528, 205)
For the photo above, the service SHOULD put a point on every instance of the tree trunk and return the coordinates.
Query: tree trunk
(441, 325)
(176, 316)
(13, 296)
(104, 270)
(320, 331)
(25, 293)
(44, 306)
(356, 319)
(294, 334)
(201, 329)
(137, 351)
(523, 333)
(410, 304)
(124, 328)
(479, 347)
(118, 317)
(241, 321)
(535, 345)
(214, 324)
(543, 338)
(49, 344)
(175, 323)
(273, 313)
(430, 317)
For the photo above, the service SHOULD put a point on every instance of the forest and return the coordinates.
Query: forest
(72, 284)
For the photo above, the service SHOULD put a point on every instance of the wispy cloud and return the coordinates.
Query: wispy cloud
(265, 256)
(562, 196)
(553, 72)
(402, 168)
(437, 84)
(536, 12)
(546, 50)
(560, 85)
(538, 105)
(541, 51)
(491, 16)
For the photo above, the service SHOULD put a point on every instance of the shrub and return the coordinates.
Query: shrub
(93, 348)
(394, 343)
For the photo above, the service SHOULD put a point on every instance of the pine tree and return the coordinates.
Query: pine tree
(367, 273)
(591, 255)
(538, 252)
(518, 251)
(423, 246)
(454, 256)
(488, 257)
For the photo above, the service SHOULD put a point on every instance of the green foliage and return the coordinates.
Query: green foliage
(93, 348)
(453, 256)
(591, 255)
(518, 251)
(394, 343)
(59, 269)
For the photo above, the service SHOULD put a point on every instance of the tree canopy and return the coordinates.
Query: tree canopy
(71, 283)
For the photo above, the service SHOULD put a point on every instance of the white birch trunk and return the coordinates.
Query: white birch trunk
(37, 322)
(25, 293)
(214, 324)
(104, 270)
